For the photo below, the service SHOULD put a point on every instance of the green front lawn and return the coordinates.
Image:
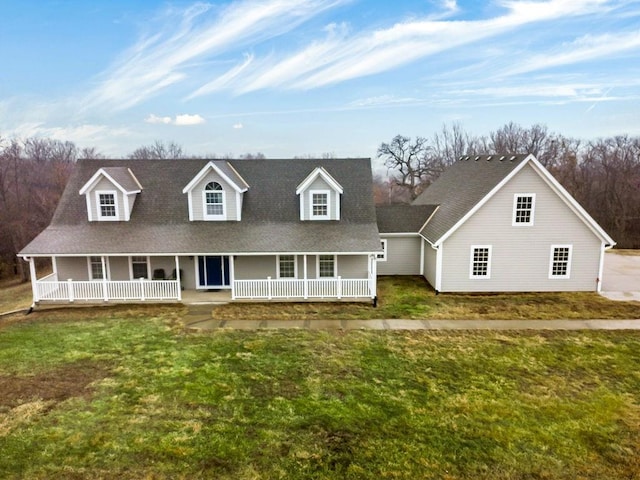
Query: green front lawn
(125, 392)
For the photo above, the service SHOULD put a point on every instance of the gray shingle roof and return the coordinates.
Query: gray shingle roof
(270, 215)
(461, 187)
(124, 177)
(403, 218)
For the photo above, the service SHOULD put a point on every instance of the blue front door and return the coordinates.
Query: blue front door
(213, 272)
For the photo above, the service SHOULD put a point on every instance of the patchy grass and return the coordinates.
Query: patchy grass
(14, 295)
(126, 393)
(412, 298)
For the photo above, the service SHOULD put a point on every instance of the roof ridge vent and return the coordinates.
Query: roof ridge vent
(477, 158)
(512, 158)
(502, 158)
(489, 158)
(461, 158)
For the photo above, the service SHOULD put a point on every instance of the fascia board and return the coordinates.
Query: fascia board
(94, 179)
(325, 176)
(200, 175)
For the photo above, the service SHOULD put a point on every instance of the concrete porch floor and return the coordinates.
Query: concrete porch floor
(203, 297)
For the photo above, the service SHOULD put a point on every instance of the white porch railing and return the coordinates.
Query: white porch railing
(271, 288)
(71, 290)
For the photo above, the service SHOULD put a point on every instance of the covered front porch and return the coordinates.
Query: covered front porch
(98, 279)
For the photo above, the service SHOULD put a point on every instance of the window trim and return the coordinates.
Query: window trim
(107, 218)
(295, 267)
(567, 275)
(335, 265)
(531, 221)
(105, 275)
(207, 216)
(327, 216)
(471, 262)
(382, 257)
(147, 261)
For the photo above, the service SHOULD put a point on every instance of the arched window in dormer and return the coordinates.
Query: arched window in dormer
(213, 200)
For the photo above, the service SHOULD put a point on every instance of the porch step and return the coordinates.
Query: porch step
(197, 313)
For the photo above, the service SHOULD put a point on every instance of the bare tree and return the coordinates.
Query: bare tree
(33, 174)
(159, 150)
(406, 162)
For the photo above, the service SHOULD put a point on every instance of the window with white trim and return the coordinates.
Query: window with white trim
(213, 200)
(326, 266)
(480, 261)
(286, 266)
(523, 208)
(382, 257)
(95, 268)
(139, 267)
(319, 204)
(560, 262)
(107, 205)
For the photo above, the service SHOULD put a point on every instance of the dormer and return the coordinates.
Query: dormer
(216, 193)
(110, 194)
(319, 196)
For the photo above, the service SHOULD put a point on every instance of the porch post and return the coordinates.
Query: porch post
(232, 275)
(178, 279)
(373, 276)
(105, 292)
(34, 280)
(306, 283)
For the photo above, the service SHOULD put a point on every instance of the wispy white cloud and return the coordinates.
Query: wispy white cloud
(586, 48)
(238, 126)
(162, 59)
(342, 56)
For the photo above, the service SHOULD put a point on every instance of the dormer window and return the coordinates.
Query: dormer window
(216, 193)
(319, 196)
(107, 205)
(319, 204)
(214, 200)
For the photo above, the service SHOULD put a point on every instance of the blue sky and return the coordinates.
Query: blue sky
(293, 77)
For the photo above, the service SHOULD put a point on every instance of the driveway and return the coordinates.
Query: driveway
(621, 277)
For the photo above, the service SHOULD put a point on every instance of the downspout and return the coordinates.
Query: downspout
(438, 285)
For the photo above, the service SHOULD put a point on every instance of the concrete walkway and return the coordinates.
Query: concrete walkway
(200, 323)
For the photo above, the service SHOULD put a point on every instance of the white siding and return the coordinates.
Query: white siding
(403, 256)
(520, 254)
(430, 263)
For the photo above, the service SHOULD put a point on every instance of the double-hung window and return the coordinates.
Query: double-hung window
(382, 257)
(213, 200)
(107, 205)
(96, 271)
(560, 261)
(139, 267)
(326, 266)
(286, 266)
(480, 266)
(319, 204)
(523, 209)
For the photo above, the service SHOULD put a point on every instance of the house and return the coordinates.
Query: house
(308, 229)
(494, 223)
(267, 229)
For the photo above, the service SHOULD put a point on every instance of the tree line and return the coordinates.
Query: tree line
(603, 175)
